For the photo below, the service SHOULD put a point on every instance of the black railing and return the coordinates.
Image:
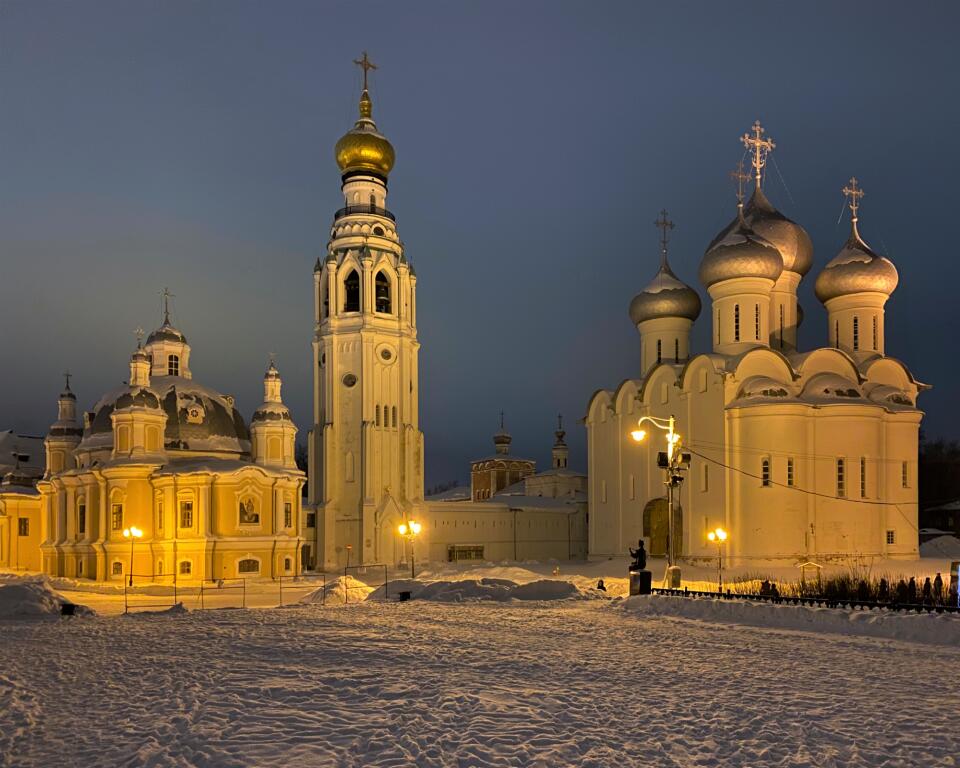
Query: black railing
(364, 208)
(826, 602)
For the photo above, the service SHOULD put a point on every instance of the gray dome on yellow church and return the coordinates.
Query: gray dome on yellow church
(665, 296)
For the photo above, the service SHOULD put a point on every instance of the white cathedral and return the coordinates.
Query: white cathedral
(798, 454)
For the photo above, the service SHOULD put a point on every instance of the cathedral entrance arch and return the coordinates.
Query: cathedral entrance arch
(656, 524)
(389, 544)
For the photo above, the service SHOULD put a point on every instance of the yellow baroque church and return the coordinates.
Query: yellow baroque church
(163, 479)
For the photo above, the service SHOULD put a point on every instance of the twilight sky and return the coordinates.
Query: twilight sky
(190, 144)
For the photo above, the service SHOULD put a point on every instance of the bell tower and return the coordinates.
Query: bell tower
(366, 448)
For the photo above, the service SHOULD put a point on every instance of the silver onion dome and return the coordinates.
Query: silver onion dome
(788, 237)
(665, 296)
(738, 251)
(856, 269)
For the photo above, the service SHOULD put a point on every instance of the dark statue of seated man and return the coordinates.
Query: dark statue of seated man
(639, 556)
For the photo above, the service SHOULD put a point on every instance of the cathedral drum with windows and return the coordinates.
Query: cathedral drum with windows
(174, 462)
(365, 448)
(798, 454)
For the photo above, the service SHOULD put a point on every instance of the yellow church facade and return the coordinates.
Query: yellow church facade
(164, 479)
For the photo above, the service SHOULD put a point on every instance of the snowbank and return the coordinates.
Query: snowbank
(942, 546)
(496, 589)
(336, 591)
(33, 598)
(934, 628)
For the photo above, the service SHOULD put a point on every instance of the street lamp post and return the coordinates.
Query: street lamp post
(133, 533)
(719, 536)
(409, 531)
(672, 467)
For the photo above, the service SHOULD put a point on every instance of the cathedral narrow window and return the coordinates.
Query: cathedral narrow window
(287, 564)
(248, 565)
(373, 200)
(676, 350)
(790, 472)
(378, 415)
(378, 231)
(117, 568)
(891, 537)
(659, 350)
(186, 514)
(875, 345)
(288, 514)
(382, 293)
(756, 322)
(704, 477)
(905, 474)
(736, 322)
(160, 515)
(394, 415)
(173, 365)
(186, 567)
(863, 477)
(765, 473)
(836, 334)
(159, 567)
(856, 333)
(116, 517)
(351, 292)
(841, 479)
(326, 299)
(82, 517)
(23, 526)
(781, 326)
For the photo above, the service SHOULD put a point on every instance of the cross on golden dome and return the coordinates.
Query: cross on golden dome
(166, 295)
(66, 376)
(740, 177)
(664, 225)
(759, 147)
(853, 193)
(366, 65)
(139, 334)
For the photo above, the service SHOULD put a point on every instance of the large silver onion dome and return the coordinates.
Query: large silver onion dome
(856, 269)
(788, 237)
(665, 296)
(738, 251)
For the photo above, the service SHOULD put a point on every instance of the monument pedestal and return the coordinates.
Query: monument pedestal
(673, 577)
(640, 582)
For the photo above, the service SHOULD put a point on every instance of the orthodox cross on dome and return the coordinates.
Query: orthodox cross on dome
(501, 419)
(273, 360)
(853, 193)
(560, 421)
(740, 177)
(759, 147)
(166, 295)
(139, 334)
(66, 378)
(366, 65)
(664, 225)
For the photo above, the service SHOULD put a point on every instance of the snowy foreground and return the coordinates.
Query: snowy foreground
(477, 673)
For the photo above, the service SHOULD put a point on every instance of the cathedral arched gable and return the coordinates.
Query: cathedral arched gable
(599, 406)
(625, 396)
(828, 360)
(693, 366)
(664, 373)
(764, 362)
(892, 372)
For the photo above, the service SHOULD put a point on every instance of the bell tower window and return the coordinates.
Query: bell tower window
(173, 365)
(676, 350)
(351, 292)
(381, 288)
(659, 350)
(856, 334)
(736, 322)
(756, 322)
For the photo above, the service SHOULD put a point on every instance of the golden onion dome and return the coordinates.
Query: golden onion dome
(738, 252)
(362, 148)
(788, 237)
(666, 296)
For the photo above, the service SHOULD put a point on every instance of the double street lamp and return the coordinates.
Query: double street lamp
(133, 533)
(719, 536)
(673, 461)
(409, 531)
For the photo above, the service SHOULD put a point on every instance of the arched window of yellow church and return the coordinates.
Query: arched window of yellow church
(874, 334)
(676, 350)
(248, 566)
(765, 473)
(394, 415)
(351, 292)
(173, 365)
(381, 290)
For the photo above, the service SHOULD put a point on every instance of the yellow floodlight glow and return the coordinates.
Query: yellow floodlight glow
(638, 434)
(712, 536)
(414, 527)
(402, 529)
(721, 534)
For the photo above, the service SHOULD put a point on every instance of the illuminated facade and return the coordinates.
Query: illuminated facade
(798, 454)
(174, 460)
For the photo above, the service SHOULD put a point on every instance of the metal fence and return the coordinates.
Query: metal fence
(823, 602)
(150, 581)
(362, 570)
(321, 578)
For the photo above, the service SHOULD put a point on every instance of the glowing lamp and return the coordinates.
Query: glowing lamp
(638, 434)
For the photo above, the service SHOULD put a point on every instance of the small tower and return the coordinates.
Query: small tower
(167, 347)
(560, 451)
(664, 311)
(502, 439)
(854, 287)
(138, 418)
(64, 434)
(272, 431)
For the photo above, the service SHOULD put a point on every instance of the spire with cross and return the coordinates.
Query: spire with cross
(366, 65)
(740, 177)
(139, 334)
(759, 148)
(166, 296)
(66, 378)
(854, 194)
(664, 225)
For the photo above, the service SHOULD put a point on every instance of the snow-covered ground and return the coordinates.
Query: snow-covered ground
(467, 674)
